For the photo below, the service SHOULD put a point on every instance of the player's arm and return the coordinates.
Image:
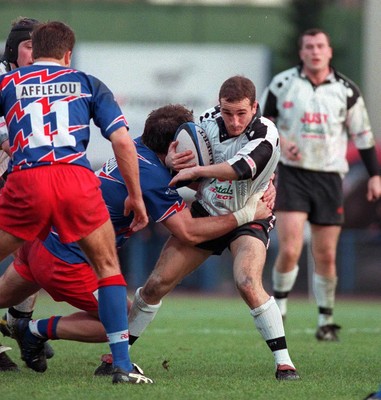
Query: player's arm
(369, 158)
(223, 171)
(253, 156)
(126, 157)
(5, 147)
(4, 140)
(196, 230)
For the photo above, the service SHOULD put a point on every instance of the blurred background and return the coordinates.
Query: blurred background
(156, 52)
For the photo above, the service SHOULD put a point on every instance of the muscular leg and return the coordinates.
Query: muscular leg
(249, 256)
(81, 326)
(14, 289)
(176, 261)
(99, 247)
(8, 244)
(290, 231)
(324, 246)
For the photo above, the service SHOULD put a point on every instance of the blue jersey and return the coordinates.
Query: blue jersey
(48, 109)
(160, 200)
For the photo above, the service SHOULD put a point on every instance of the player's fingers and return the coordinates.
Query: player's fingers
(173, 146)
(185, 156)
(173, 182)
(138, 224)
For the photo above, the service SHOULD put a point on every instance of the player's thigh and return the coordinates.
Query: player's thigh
(8, 244)
(177, 260)
(14, 288)
(290, 229)
(99, 247)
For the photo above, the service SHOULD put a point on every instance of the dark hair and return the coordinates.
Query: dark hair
(161, 126)
(21, 30)
(237, 88)
(312, 32)
(52, 40)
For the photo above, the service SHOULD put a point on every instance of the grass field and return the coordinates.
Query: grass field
(213, 351)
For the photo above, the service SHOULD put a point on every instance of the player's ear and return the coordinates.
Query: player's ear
(67, 58)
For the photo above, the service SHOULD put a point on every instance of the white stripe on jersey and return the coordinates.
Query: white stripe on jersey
(222, 197)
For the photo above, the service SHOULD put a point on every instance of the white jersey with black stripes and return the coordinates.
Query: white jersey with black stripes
(254, 155)
(318, 119)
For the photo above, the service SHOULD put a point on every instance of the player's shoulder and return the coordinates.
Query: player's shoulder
(265, 128)
(346, 82)
(284, 79)
(268, 123)
(210, 115)
(146, 156)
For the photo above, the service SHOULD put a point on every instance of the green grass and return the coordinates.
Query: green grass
(214, 352)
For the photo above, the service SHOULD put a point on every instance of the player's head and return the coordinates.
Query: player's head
(53, 40)
(18, 47)
(312, 32)
(238, 104)
(315, 51)
(161, 126)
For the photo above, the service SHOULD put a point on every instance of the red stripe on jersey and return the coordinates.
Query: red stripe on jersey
(173, 210)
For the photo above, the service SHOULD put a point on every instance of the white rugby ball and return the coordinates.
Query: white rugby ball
(192, 137)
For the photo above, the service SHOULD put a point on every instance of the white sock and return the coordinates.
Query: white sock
(268, 320)
(27, 306)
(283, 282)
(141, 314)
(324, 290)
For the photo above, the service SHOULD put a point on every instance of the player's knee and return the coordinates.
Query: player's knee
(289, 255)
(245, 286)
(152, 291)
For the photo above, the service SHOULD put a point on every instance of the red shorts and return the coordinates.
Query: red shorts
(75, 284)
(67, 197)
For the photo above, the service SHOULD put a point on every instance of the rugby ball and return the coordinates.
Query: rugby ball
(192, 137)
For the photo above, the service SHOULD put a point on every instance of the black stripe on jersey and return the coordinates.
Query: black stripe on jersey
(222, 129)
(353, 94)
(257, 129)
(261, 156)
(270, 109)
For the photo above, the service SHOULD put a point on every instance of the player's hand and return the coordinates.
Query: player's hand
(269, 195)
(186, 174)
(374, 188)
(248, 212)
(140, 220)
(262, 211)
(290, 150)
(178, 161)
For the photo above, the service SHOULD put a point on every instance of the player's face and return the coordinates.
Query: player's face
(315, 53)
(25, 53)
(237, 115)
